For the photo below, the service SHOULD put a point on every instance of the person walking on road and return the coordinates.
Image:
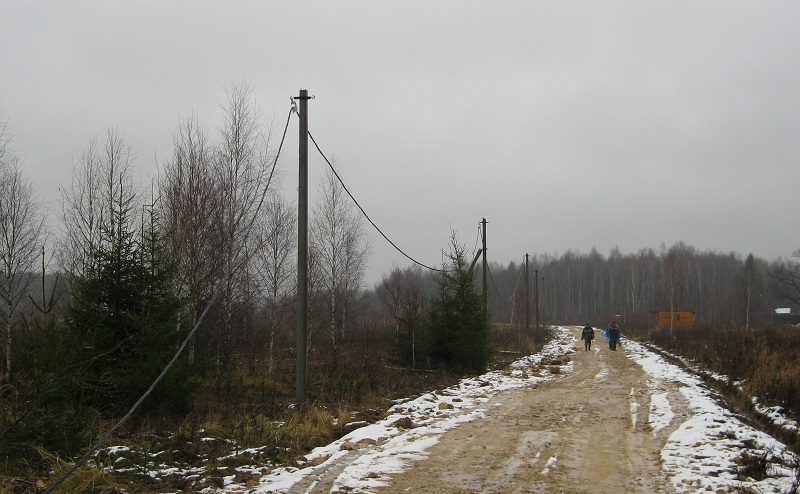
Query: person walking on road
(587, 336)
(612, 331)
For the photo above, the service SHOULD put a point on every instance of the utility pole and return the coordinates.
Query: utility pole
(544, 293)
(536, 295)
(302, 251)
(485, 271)
(527, 299)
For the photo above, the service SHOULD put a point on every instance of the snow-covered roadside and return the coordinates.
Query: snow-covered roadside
(774, 413)
(705, 451)
(412, 427)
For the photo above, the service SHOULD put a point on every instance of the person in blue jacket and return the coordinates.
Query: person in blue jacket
(612, 331)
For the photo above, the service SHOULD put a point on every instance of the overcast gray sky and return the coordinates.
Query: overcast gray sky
(567, 125)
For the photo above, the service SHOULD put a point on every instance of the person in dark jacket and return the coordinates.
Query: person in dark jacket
(587, 336)
(612, 331)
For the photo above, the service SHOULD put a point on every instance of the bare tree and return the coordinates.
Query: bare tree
(340, 247)
(406, 301)
(214, 194)
(21, 237)
(391, 290)
(787, 278)
(274, 267)
(102, 188)
(190, 201)
(673, 265)
(243, 173)
(751, 288)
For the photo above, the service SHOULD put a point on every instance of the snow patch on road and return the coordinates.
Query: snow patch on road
(603, 374)
(634, 408)
(551, 464)
(661, 414)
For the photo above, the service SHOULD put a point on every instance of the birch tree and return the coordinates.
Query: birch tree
(750, 288)
(190, 206)
(275, 267)
(102, 180)
(340, 250)
(391, 291)
(214, 192)
(243, 173)
(21, 238)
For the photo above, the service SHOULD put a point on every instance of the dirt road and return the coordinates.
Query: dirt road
(597, 424)
(586, 432)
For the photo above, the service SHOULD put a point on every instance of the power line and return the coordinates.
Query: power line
(491, 278)
(477, 240)
(365, 213)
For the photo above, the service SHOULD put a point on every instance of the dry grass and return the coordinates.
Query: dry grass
(88, 478)
(246, 406)
(764, 360)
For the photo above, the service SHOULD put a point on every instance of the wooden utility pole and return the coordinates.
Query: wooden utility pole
(302, 251)
(527, 298)
(485, 271)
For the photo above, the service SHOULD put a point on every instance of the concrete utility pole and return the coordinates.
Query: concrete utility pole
(544, 293)
(485, 270)
(302, 250)
(536, 295)
(527, 298)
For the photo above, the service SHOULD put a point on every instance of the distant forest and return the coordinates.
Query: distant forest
(723, 290)
(726, 290)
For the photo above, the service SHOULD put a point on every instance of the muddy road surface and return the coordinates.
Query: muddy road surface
(585, 432)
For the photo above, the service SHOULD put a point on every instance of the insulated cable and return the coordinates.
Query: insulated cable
(365, 213)
(491, 278)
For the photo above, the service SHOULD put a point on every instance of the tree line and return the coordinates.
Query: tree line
(93, 313)
(93, 308)
(722, 289)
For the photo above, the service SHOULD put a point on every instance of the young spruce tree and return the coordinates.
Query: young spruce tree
(459, 324)
(123, 312)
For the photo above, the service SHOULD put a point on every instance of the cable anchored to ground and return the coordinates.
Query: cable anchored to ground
(128, 415)
(169, 365)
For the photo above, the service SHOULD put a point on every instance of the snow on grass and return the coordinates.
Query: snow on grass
(775, 415)
(712, 450)
(412, 427)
